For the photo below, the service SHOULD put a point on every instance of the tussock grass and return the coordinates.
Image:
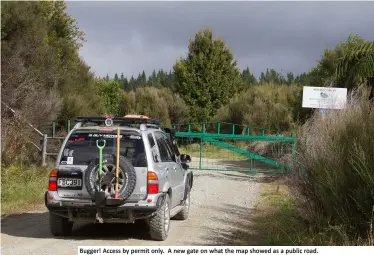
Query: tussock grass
(334, 181)
(278, 221)
(22, 188)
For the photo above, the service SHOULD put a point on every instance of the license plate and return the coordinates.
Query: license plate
(69, 182)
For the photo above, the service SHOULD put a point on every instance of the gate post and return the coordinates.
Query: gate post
(44, 150)
(294, 155)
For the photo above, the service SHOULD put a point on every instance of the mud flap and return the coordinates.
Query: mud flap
(100, 199)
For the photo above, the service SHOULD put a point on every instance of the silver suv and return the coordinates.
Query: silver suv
(152, 181)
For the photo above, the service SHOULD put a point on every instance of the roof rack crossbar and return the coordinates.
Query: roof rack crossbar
(118, 120)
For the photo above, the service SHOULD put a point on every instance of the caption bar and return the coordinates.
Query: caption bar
(237, 250)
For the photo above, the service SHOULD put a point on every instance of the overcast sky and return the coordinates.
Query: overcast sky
(130, 37)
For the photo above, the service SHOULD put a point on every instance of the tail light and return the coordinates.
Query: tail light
(52, 182)
(152, 185)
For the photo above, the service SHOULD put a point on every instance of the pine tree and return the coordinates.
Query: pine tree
(208, 77)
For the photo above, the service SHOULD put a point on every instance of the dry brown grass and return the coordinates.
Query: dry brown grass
(334, 181)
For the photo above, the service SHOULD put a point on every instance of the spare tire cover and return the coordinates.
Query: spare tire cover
(127, 177)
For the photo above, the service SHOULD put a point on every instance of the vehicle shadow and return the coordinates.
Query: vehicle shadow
(36, 225)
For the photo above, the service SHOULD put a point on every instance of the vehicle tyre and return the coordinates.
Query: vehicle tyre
(183, 214)
(127, 177)
(59, 226)
(159, 224)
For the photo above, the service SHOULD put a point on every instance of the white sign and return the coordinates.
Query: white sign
(324, 97)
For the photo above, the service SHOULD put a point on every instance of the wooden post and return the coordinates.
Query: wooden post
(117, 163)
(44, 150)
(68, 126)
(53, 129)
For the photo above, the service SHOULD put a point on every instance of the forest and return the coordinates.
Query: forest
(43, 79)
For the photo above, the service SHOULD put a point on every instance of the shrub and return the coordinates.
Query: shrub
(335, 170)
(169, 108)
(265, 106)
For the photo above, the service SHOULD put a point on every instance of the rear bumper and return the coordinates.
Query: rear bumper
(151, 203)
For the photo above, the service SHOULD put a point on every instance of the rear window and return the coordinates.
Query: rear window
(81, 148)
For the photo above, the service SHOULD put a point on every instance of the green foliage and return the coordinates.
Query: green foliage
(248, 78)
(26, 183)
(163, 104)
(357, 64)
(324, 74)
(42, 76)
(109, 92)
(208, 76)
(267, 106)
(272, 76)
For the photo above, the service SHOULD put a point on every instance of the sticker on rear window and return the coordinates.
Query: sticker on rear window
(70, 160)
(79, 139)
(104, 135)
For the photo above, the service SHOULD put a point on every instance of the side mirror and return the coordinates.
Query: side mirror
(185, 166)
(185, 158)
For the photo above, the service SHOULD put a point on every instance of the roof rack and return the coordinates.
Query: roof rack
(117, 120)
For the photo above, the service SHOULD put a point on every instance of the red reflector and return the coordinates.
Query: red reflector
(149, 200)
(152, 188)
(50, 198)
(52, 185)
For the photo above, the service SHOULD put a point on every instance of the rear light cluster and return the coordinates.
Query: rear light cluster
(52, 183)
(152, 185)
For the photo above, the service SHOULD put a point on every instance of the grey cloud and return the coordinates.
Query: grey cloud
(130, 37)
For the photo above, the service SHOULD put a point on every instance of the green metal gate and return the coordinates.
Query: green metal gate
(224, 146)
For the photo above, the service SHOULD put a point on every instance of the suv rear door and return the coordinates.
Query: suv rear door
(80, 148)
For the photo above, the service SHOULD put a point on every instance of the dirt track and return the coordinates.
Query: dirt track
(218, 203)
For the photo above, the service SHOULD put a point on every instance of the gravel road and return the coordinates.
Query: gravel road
(220, 200)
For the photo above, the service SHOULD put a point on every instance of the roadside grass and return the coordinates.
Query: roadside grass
(277, 221)
(22, 188)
